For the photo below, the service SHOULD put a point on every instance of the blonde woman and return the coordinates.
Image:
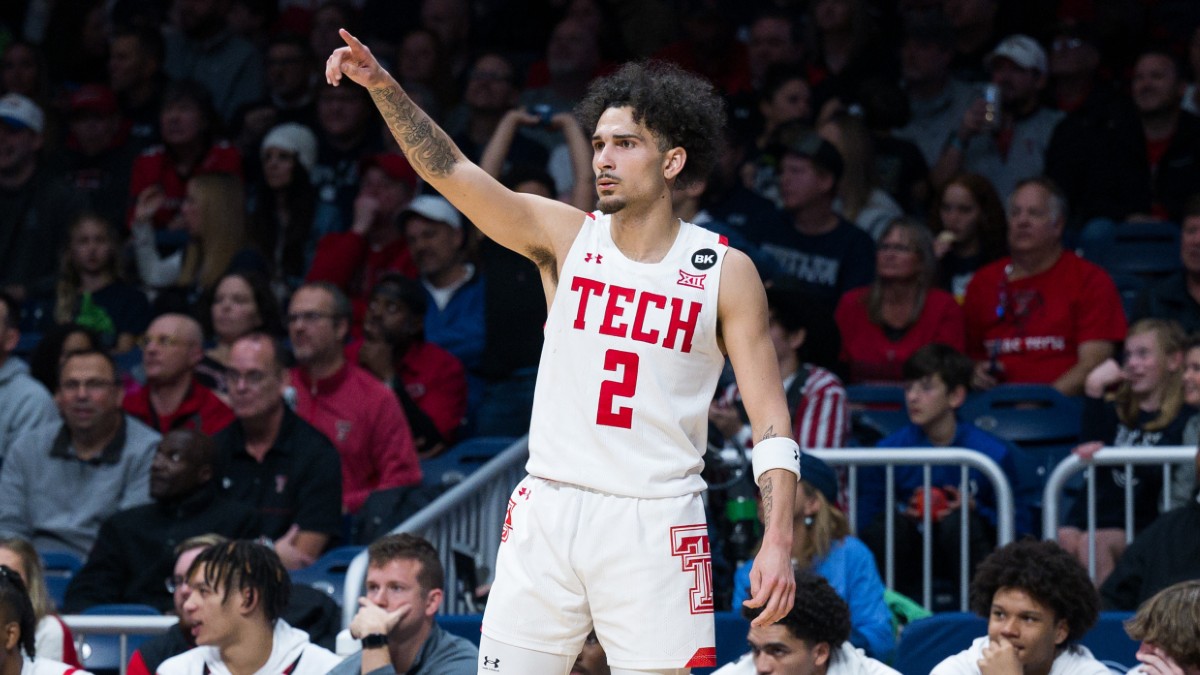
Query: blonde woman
(1136, 404)
(214, 215)
(822, 543)
(52, 638)
(859, 199)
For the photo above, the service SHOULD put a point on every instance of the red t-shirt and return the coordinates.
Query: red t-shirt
(873, 357)
(1033, 327)
(347, 261)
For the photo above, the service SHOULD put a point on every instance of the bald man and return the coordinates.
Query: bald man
(172, 398)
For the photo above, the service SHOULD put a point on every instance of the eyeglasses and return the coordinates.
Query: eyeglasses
(252, 378)
(161, 341)
(89, 386)
(308, 317)
(174, 583)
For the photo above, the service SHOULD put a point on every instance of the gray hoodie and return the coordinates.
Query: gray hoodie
(24, 403)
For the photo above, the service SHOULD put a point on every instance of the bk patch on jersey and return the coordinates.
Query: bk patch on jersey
(704, 258)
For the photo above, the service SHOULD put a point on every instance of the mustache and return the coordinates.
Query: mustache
(609, 176)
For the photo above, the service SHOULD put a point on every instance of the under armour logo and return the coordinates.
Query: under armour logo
(524, 492)
(598, 256)
(491, 664)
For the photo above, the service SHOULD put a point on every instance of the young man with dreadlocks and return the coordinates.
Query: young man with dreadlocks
(608, 530)
(238, 590)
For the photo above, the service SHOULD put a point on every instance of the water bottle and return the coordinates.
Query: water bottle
(742, 513)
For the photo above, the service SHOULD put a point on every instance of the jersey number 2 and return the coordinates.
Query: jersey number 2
(607, 414)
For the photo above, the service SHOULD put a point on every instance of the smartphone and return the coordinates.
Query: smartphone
(544, 112)
(991, 107)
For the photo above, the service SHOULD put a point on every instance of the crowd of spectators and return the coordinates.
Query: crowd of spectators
(207, 250)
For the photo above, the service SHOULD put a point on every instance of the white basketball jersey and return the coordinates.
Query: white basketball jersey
(629, 366)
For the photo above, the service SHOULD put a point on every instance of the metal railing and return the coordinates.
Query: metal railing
(464, 525)
(927, 458)
(83, 625)
(1128, 457)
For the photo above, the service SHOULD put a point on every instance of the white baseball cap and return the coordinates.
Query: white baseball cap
(18, 111)
(435, 208)
(1021, 50)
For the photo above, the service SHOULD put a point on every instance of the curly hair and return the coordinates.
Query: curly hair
(1048, 573)
(818, 615)
(681, 109)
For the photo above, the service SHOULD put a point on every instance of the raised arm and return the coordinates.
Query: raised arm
(743, 315)
(527, 224)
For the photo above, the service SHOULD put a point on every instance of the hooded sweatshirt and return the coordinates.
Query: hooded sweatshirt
(24, 402)
(291, 654)
(847, 660)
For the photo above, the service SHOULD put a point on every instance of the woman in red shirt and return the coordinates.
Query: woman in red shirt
(884, 323)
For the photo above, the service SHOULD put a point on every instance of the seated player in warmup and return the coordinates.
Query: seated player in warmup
(1039, 602)
(813, 639)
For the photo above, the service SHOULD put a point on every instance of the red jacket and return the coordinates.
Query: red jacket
(366, 424)
(200, 410)
(345, 260)
(434, 379)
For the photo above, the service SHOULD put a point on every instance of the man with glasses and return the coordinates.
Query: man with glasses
(346, 403)
(1042, 315)
(136, 547)
(172, 398)
(96, 460)
(178, 638)
(275, 462)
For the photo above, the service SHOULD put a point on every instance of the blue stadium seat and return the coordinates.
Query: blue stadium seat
(328, 573)
(101, 654)
(876, 410)
(925, 643)
(1041, 422)
(59, 567)
(455, 464)
(1148, 250)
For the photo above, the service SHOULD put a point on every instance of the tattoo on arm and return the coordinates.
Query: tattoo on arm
(769, 433)
(768, 498)
(425, 144)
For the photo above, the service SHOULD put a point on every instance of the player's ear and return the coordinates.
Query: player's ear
(249, 599)
(673, 162)
(821, 653)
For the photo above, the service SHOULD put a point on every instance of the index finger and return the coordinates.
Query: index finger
(351, 41)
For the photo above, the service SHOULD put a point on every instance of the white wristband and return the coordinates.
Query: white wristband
(780, 452)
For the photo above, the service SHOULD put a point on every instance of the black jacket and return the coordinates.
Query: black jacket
(135, 550)
(1166, 553)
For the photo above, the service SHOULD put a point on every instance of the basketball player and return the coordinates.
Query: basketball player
(607, 531)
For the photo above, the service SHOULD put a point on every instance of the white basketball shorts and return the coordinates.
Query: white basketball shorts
(637, 570)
